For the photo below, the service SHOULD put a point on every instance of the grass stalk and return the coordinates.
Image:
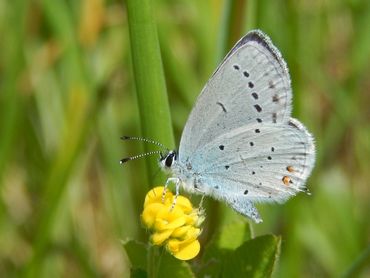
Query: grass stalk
(232, 22)
(10, 101)
(149, 80)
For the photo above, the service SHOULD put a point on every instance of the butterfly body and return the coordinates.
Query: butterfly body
(240, 144)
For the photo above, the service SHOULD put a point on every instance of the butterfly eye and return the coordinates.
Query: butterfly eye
(169, 160)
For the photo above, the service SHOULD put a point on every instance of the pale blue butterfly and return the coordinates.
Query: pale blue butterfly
(240, 144)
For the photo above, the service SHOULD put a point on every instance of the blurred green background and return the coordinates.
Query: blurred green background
(67, 94)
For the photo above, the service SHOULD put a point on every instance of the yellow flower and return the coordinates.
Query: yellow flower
(176, 227)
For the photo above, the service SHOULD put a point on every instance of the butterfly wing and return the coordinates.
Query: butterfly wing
(251, 85)
(239, 139)
(259, 163)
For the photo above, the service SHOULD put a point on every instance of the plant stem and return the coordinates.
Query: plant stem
(150, 89)
(149, 80)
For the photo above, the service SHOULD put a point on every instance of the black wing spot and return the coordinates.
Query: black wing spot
(236, 67)
(272, 149)
(246, 74)
(257, 130)
(274, 116)
(222, 106)
(216, 187)
(255, 95)
(246, 192)
(269, 157)
(259, 120)
(251, 144)
(222, 147)
(258, 108)
(227, 167)
(250, 84)
(293, 125)
(253, 172)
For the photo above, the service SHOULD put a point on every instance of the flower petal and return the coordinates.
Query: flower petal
(184, 203)
(155, 196)
(175, 227)
(159, 238)
(149, 215)
(192, 233)
(170, 214)
(183, 251)
(180, 232)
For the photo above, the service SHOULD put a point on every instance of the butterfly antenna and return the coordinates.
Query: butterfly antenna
(144, 140)
(124, 160)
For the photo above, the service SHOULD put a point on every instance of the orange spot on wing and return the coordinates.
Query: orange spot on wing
(286, 180)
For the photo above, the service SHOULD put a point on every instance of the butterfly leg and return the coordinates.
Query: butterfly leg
(201, 202)
(166, 185)
(177, 192)
(246, 208)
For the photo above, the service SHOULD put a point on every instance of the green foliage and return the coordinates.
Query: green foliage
(252, 258)
(171, 267)
(233, 234)
(255, 258)
(137, 253)
(147, 261)
(77, 75)
(234, 253)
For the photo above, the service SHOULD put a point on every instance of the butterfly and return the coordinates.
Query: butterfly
(240, 144)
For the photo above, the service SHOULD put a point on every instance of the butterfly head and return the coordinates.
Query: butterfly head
(168, 160)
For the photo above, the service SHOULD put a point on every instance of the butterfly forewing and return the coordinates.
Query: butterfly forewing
(251, 85)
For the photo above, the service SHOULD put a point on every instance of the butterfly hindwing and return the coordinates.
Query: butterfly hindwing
(267, 162)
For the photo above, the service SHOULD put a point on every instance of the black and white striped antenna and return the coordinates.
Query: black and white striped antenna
(146, 140)
(124, 160)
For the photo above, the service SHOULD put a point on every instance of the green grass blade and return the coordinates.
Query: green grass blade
(360, 263)
(78, 108)
(232, 23)
(149, 80)
(10, 95)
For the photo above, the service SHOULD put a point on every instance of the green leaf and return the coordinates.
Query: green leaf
(254, 258)
(137, 254)
(172, 267)
(212, 261)
(234, 234)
